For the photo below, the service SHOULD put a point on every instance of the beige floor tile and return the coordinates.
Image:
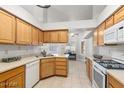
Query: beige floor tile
(77, 78)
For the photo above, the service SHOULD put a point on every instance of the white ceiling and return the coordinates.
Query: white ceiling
(59, 13)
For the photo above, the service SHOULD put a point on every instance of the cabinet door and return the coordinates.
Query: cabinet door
(47, 69)
(63, 36)
(23, 32)
(2, 84)
(101, 29)
(95, 38)
(109, 22)
(90, 71)
(35, 36)
(54, 36)
(16, 81)
(40, 37)
(7, 28)
(119, 15)
(46, 38)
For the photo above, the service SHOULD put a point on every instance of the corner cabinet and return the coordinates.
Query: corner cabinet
(40, 37)
(7, 28)
(34, 35)
(23, 34)
(47, 68)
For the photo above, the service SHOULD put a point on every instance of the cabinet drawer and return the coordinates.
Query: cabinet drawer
(61, 67)
(61, 72)
(48, 60)
(61, 63)
(119, 15)
(5, 75)
(61, 59)
(114, 82)
(109, 22)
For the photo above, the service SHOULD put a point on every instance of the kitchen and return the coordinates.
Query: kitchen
(44, 46)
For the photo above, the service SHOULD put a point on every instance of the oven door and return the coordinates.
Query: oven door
(99, 78)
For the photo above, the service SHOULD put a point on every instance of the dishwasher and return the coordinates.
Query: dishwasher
(32, 73)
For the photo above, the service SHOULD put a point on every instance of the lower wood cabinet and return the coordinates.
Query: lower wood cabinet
(16, 81)
(14, 78)
(47, 68)
(88, 63)
(53, 66)
(61, 66)
(113, 83)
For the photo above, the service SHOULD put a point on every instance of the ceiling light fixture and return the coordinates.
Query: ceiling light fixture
(44, 6)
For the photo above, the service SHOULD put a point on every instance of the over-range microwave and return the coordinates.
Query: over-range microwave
(114, 34)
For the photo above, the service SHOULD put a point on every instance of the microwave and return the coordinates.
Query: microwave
(110, 36)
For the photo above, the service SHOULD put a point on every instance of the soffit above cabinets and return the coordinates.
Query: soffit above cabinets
(60, 13)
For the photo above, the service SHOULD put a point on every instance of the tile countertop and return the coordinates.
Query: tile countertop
(117, 74)
(8, 66)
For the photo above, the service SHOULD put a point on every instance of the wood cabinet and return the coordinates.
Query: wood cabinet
(101, 29)
(88, 63)
(7, 28)
(61, 67)
(119, 15)
(14, 78)
(35, 38)
(113, 82)
(109, 22)
(46, 37)
(40, 37)
(54, 36)
(47, 68)
(95, 38)
(23, 35)
(63, 36)
(16, 81)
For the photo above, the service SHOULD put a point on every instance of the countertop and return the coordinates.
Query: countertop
(117, 74)
(8, 66)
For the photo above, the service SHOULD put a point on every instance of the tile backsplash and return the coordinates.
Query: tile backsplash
(116, 51)
(18, 50)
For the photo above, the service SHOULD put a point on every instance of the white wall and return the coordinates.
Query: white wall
(22, 13)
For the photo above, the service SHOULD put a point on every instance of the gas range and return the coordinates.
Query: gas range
(110, 64)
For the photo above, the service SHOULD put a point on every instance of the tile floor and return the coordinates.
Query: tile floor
(77, 78)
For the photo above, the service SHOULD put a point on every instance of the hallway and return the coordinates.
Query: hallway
(77, 78)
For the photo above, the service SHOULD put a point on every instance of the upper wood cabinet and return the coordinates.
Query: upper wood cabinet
(7, 28)
(95, 38)
(46, 37)
(35, 38)
(54, 36)
(119, 15)
(63, 36)
(40, 37)
(23, 35)
(101, 29)
(109, 22)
